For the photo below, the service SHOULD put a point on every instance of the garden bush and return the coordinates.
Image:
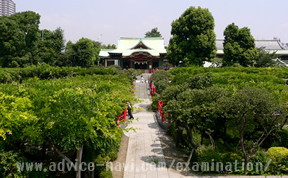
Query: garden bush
(64, 113)
(199, 99)
(205, 154)
(279, 160)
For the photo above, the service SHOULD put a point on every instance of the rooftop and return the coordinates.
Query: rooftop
(130, 45)
(268, 44)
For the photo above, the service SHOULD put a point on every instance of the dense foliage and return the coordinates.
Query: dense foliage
(153, 33)
(18, 39)
(193, 38)
(8, 75)
(239, 46)
(265, 58)
(250, 103)
(63, 116)
(23, 44)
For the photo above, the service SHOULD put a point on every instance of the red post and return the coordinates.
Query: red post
(125, 114)
(151, 88)
(122, 117)
(160, 110)
(160, 105)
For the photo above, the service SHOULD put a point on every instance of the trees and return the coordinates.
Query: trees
(239, 46)
(153, 33)
(255, 114)
(265, 59)
(21, 43)
(29, 25)
(113, 46)
(84, 53)
(237, 112)
(66, 115)
(193, 38)
(188, 104)
(50, 46)
(12, 43)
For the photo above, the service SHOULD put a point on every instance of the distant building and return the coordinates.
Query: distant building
(7, 7)
(137, 53)
(270, 46)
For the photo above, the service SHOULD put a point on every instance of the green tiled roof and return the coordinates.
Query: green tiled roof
(126, 45)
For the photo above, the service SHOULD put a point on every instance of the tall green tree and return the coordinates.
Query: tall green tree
(239, 46)
(50, 46)
(29, 25)
(12, 43)
(153, 33)
(84, 53)
(18, 39)
(194, 39)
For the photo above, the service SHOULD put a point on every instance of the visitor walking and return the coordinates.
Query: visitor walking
(130, 110)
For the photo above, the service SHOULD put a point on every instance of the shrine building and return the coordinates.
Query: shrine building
(137, 53)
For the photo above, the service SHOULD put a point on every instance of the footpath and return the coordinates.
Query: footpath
(145, 157)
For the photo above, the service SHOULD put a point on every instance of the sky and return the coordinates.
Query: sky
(133, 18)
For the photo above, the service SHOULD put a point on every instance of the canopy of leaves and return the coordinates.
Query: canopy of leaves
(50, 46)
(68, 113)
(161, 80)
(193, 38)
(153, 33)
(265, 58)
(22, 44)
(83, 53)
(239, 46)
(250, 103)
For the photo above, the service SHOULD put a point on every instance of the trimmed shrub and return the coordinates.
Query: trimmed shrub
(208, 155)
(155, 103)
(279, 160)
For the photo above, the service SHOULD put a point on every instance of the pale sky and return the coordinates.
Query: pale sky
(133, 18)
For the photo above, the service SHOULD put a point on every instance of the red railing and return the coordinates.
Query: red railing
(160, 105)
(122, 117)
(152, 89)
(161, 114)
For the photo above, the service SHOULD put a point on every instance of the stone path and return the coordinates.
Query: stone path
(144, 147)
(145, 157)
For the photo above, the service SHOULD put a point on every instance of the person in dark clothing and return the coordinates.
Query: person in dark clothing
(130, 110)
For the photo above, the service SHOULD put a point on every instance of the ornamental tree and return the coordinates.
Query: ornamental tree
(193, 38)
(239, 46)
(189, 105)
(254, 114)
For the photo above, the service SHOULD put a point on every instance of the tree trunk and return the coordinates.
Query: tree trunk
(190, 157)
(78, 163)
(192, 141)
(202, 135)
(43, 151)
(211, 140)
(243, 150)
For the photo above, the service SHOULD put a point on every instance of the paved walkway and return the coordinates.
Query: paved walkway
(144, 147)
(145, 157)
